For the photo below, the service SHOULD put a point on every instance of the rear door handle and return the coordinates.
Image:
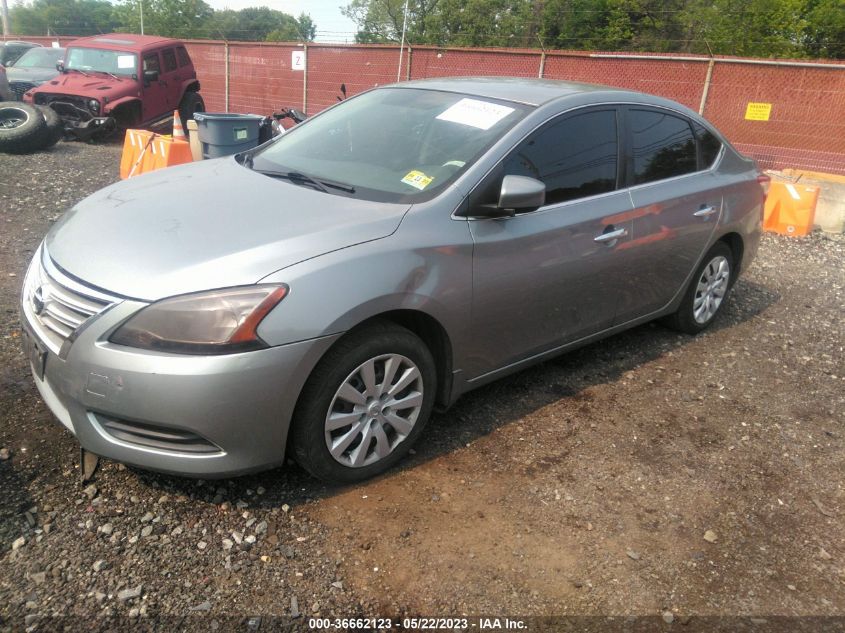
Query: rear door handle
(611, 236)
(705, 212)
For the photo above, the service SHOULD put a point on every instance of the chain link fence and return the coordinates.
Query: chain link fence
(804, 129)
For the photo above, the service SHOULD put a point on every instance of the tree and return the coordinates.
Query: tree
(824, 33)
(63, 17)
(168, 18)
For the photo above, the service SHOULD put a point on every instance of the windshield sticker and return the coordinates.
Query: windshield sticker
(125, 61)
(417, 179)
(475, 113)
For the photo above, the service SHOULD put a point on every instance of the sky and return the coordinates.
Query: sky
(332, 25)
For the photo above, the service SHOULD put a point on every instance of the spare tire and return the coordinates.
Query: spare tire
(22, 128)
(55, 127)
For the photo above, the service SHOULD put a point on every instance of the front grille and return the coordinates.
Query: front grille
(68, 107)
(20, 87)
(156, 437)
(56, 305)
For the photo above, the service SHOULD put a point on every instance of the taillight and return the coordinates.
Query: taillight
(764, 181)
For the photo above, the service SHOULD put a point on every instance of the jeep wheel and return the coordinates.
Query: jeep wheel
(22, 128)
(55, 127)
(191, 104)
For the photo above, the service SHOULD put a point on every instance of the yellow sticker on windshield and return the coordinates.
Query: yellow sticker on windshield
(417, 179)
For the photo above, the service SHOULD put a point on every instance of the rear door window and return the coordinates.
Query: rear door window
(662, 145)
(184, 60)
(168, 58)
(575, 156)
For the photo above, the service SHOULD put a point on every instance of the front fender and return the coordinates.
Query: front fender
(423, 267)
(111, 106)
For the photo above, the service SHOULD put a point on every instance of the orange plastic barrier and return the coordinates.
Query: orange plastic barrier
(790, 208)
(145, 151)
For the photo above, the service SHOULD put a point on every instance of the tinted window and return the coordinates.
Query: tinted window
(663, 146)
(184, 60)
(708, 146)
(168, 57)
(151, 62)
(575, 157)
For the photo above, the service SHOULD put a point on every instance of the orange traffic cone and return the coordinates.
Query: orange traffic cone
(178, 130)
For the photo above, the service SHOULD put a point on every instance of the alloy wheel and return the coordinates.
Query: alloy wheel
(11, 117)
(374, 410)
(712, 287)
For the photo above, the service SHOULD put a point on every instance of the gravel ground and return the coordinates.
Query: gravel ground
(651, 474)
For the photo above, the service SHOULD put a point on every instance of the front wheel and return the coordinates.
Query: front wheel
(364, 405)
(706, 293)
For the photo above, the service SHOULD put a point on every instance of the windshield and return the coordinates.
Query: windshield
(393, 144)
(40, 58)
(100, 60)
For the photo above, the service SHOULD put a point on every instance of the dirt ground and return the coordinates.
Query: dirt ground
(651, 474)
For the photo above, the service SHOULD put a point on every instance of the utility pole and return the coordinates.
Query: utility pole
(140, 3)
(4, 14)
(401, 44)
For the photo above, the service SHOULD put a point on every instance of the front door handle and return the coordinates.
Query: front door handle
(705, 212)
(610, 236)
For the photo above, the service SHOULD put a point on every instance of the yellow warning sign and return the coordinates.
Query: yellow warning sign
(758, 111)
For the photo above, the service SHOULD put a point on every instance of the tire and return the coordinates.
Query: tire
(700, 306)
(382, 346)
(22, 128)
(55, 127)
(191, 104)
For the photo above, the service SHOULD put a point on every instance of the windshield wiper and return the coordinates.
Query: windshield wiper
(78, 71)
(300, 178)
(108, 73)
(295, 177)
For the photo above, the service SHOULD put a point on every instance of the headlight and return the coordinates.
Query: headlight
(216, 322)
(94, 106)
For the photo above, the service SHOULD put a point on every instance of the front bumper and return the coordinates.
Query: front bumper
(84, 130)
(239, 405)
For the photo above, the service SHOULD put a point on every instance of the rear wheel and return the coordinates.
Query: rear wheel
(706, 293)
(365, 404)
(191, 104)
(22, 128)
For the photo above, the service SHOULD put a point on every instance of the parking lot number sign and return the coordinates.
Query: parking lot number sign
(758, 111)
(297, 60)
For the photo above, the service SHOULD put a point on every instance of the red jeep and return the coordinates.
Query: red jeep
(120, 80)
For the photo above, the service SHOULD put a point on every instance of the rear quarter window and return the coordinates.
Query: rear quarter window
(709, 146)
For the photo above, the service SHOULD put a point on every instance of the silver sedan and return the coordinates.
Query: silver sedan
(319, 295)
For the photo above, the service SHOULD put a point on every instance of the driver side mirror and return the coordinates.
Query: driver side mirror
(518, 193)
(60, 65)
(521, 193)
(150, 76)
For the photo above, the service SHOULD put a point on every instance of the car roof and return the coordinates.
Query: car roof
(533, 92)
(123, 41)
(19, 43)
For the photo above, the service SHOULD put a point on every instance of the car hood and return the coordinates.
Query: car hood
(211, 224)
(94, 85)
(32, 75)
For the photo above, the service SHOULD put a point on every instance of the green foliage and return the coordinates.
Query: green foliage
(171, 18)
(761, 28)
(62, 17)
